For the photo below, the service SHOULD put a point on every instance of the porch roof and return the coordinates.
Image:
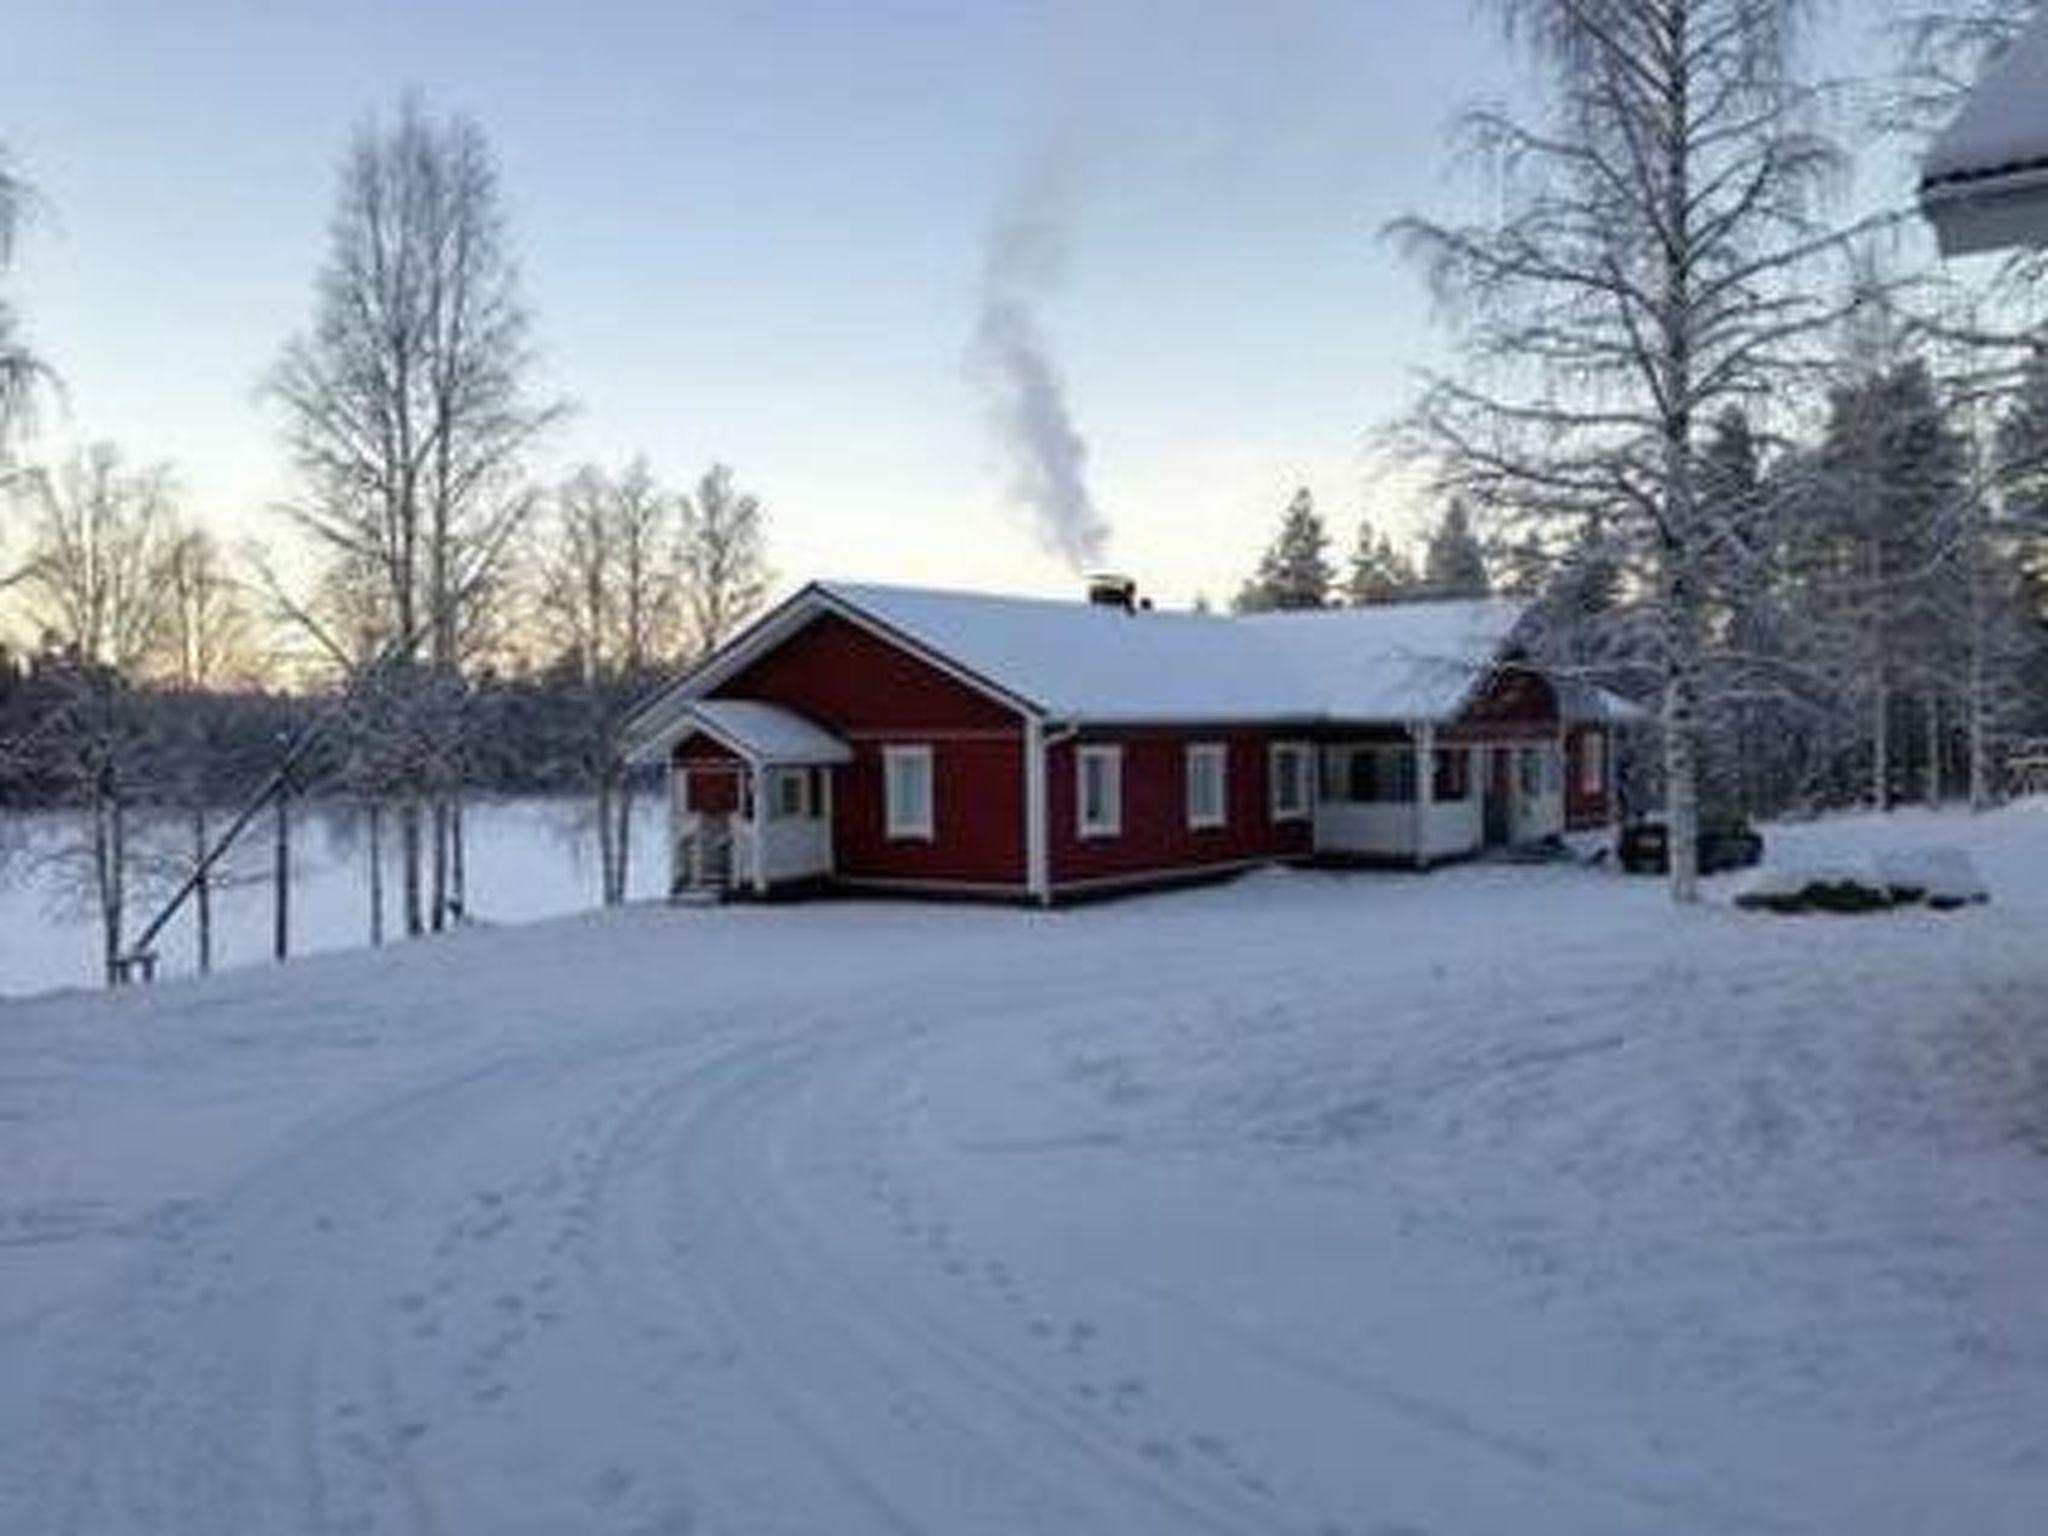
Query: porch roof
(763, 734)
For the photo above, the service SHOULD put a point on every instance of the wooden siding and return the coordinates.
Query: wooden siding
(1581, 807)
(1155, 840)
(1515, 704)
(874, 694)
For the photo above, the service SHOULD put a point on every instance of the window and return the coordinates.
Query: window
(789, 794)
(1370, 775)
(907, 792)
(1592, 763)
(1208, 790)
(1289, 781)
(1099, 792)
(1452, 774)
(1539, 771)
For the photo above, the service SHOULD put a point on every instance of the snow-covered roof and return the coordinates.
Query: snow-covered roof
(1586, 703)
(1078, 662)
(1389, 661)
(761, 733)
(1984, 183)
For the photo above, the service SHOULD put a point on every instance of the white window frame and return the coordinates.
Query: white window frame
(1218, 753)
(1111, 822)
(778, 778)
(909, 828)
(1304, 780)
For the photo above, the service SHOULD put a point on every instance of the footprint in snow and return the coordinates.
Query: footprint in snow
(674, 1522)
(611, 1485)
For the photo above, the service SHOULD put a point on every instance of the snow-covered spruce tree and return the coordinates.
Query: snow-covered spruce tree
(1295, 571)
(1642, 276)
(1379, 572)
(1875, 559)
(1453, 563)
(2010, 574)
(408, 417)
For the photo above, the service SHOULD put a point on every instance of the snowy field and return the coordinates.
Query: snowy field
(1505, 1200)
(528, 858)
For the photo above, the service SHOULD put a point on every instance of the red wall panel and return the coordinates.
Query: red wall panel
(875, 694)
(1156, 837)
(1581, 808)
(1515, 703)
(848, 679)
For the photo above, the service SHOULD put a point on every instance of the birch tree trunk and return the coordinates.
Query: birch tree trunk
(107, 879)
(438, 906)
(625, 836)
(1934, 750)
(202, 892)
(607, 855)
(1681, 741)
(376, 817)
(409, 854)
(458, 860)
(281, 877)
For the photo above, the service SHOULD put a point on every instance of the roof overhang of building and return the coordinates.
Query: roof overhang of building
(1984, 184)
(763, 735)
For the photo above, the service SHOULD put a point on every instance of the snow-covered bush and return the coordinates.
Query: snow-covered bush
(1942, 878)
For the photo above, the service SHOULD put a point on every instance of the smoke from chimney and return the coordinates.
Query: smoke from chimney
(1011, 362)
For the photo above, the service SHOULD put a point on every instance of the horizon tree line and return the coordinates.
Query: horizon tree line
(451, 592)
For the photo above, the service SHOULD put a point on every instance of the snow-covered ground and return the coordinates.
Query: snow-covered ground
(1500, 1200)
(529, 858)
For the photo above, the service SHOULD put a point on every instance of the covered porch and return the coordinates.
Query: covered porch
(1423, 797)
(750, 797)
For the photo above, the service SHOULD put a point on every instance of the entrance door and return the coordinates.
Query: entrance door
(1500, 796)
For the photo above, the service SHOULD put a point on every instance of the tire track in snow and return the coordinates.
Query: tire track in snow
(250, 1364)
(907, 1395)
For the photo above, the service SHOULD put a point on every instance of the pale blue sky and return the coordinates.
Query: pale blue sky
(751, 230)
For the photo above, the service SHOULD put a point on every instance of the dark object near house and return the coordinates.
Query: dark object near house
(1944, 879)
(1724, 843)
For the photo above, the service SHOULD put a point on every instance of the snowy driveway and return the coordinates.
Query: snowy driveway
(1502, 1200)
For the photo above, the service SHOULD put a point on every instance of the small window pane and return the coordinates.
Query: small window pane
(1205, 787)
(1453, 774)
(1099, 791)
(1290, 780)
(790, 787)
(908, 791)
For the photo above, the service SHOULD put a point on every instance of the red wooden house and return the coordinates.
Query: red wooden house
(950, 742)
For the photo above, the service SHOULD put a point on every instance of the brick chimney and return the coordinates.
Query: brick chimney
(1107, 590)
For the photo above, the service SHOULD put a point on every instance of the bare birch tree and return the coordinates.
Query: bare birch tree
(724, 558)
(608, 597)
(408, 416)
(20, 369)
(100, 536)
(1643, 276)
(207, 643)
